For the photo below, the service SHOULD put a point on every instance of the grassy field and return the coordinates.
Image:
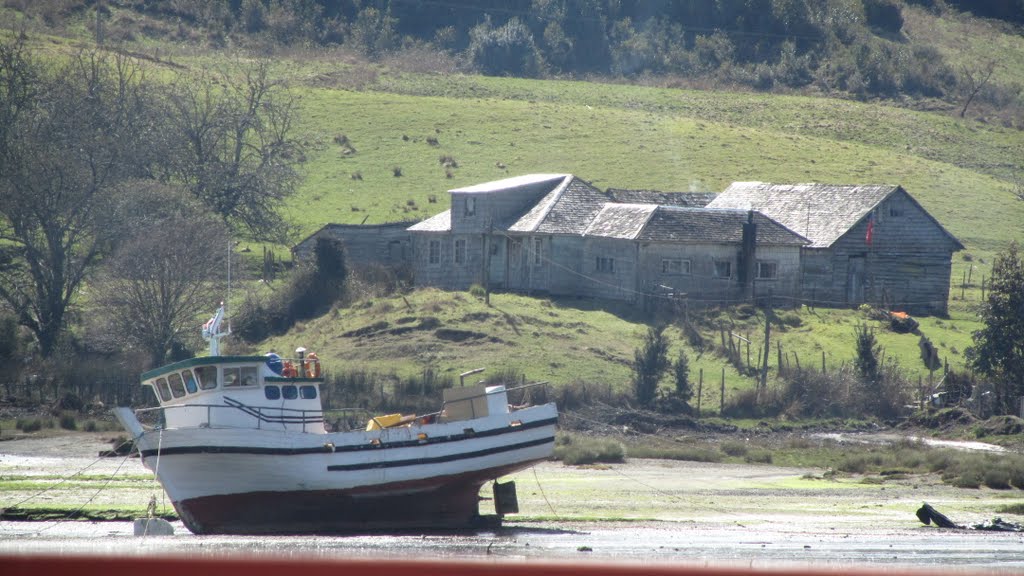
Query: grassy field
(377, 138)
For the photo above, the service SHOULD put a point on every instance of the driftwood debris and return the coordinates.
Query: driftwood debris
(928, 515)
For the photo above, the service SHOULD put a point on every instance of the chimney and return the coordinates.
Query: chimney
(748, 257)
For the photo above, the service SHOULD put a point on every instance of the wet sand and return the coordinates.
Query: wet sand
(644, 510)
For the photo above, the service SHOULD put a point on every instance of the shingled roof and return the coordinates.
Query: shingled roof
(719, 226)
(820, 212)
(438, 223)
(620, 220)
(685, 199)
(567, 209)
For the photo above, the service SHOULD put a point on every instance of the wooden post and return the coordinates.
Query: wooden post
(963, 285)
(700, 390)
(822, 361)
(721, 405)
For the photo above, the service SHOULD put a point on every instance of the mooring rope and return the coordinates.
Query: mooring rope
(537, 479)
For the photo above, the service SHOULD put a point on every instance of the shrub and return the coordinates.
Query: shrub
(576, 450)
(67, 421)
(759, 456)
(29, 425)
(477, 291)
(734, 448)
(684, 453)
(997, 477)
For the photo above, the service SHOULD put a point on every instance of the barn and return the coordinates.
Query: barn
(870, 244)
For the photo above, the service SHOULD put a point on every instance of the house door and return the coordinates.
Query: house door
(855, 281)
(515, 277)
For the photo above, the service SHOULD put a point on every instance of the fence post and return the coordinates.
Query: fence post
(700, 390)
(721, 405)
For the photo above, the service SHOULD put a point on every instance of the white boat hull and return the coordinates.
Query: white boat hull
(245, 481)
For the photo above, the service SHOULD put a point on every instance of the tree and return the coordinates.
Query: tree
(681, 373)
(70, 134)
(649, 364)
(998, 350)
(148, 293)
(232, 147)
(974, 81)
(868, 351)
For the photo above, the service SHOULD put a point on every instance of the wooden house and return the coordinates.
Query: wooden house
(868, 244)
(557, 234)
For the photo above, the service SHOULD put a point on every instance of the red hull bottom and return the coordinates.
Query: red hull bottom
(450, 502)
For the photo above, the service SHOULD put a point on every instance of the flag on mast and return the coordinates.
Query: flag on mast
(870, 234)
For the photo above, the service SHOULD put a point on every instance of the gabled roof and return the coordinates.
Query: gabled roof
(821, 212)
(718, 226)
(526, 180)
(438, 223)
(566, 209)
(686, 199)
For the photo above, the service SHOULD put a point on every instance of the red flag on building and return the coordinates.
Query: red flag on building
(869, 235)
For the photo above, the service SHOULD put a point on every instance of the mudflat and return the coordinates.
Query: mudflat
(642, 510)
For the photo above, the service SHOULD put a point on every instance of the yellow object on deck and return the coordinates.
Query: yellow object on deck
(385, 421)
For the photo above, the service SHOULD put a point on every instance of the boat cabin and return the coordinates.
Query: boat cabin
(263, 392)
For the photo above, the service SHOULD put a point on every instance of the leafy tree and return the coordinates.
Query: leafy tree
(149, 292)
(71, 134)
(998, 350)
(508, 49)
(649, 364)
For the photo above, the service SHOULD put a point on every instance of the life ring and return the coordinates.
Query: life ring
(289, 370)
(312, 366)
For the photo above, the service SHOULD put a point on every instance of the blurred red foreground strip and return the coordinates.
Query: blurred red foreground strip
(262, 566)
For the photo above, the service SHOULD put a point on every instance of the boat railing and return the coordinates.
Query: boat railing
(226, 415)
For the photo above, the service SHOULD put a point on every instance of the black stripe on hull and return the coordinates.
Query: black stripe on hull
(448, 502)
(208, 449)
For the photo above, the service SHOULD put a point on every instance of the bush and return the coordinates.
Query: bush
(29, 425)
(576, 450)
(477, 291)
(734, 448)
(67, 421)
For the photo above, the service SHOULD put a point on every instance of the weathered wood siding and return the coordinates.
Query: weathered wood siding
(528, 263)
(446, 272)
(700, 282)
(615, 279)
(476, 212)
(383, 244)
(906, 266)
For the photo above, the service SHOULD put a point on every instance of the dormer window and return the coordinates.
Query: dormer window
(470, 206)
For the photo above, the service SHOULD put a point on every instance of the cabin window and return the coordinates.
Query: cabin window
(538, 244)
(272, 392)
(675, 266)
(289, 392)
(232, 378)
(723, 269)
(163, 389)
(307, 392)
(895, 211)
(470, 206)
(248, 375)
(177, 386)
(602, 264)
(207, 376)
(767, 270)
(460, 251)
(434, 252)
(190, 381)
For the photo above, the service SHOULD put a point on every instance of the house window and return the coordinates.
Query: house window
(675, 266)
(434, 252)
(723, 269)
(895, 211)
(537, 244)
(767, 270)
(606, 265)
(460, 251)
(470, 206)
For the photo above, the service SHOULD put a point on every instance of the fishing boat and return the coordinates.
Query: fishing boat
(240, 445)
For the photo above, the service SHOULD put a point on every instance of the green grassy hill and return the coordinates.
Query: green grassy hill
(966, 172)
